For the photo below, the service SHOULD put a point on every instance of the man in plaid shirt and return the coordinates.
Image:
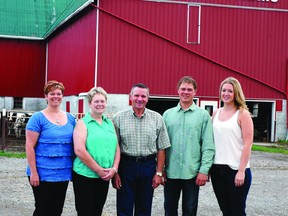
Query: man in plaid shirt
(143, 139)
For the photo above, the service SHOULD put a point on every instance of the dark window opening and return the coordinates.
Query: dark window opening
(18, 103)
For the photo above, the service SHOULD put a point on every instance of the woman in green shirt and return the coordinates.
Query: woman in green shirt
(98, 156)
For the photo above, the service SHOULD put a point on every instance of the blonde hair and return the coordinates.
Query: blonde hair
(239, 97)
(96, 90)
(52, 85)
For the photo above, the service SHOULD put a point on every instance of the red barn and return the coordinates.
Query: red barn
(115, 44)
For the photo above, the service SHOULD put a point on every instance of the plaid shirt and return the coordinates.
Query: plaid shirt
(141, 136)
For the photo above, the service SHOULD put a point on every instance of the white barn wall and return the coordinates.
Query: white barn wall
(73, 103)
(118, 102)
(115, 103)
(34, 104)
(281, 118)
(6, 103)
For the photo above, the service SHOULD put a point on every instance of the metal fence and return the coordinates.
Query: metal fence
(13, 125)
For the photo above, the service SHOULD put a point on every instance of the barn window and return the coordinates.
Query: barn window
(18, 103)
(255, 109)
(193, 24)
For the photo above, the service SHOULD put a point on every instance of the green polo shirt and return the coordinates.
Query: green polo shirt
(101, 144)
(192, 146)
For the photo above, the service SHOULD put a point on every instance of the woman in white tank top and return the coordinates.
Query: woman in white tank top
(233, 137)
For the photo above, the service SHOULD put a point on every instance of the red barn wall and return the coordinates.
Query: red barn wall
(142, 41)
(22, 68)
(72, 54)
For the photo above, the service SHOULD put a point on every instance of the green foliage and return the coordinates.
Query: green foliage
(282, 141)
(281, 148)
(12, 154)
(270, 149)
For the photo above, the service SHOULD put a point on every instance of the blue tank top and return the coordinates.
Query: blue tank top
(54, 149)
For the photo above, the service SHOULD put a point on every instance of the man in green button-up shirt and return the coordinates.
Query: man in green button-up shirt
(191, 154)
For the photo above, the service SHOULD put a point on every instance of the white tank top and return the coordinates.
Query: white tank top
(228, 141)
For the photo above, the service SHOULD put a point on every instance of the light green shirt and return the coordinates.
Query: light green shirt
(141, 136)
(101, 144)
(192, 146)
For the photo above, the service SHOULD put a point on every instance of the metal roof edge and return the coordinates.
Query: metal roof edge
(20, 37)
(219, 5)
(68, 18)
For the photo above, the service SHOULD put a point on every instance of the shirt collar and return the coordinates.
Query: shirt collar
(191, 108)
(133, 113)
(89, 117)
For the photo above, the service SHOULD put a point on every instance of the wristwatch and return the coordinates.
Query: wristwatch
(159, 174)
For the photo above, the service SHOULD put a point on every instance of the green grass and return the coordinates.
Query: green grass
(271, 149)
(12, 154)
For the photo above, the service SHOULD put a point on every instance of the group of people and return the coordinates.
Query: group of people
(138, 150)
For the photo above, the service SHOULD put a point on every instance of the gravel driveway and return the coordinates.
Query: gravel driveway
(268, 194)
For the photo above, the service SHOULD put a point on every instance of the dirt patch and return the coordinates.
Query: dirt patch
(268, 193)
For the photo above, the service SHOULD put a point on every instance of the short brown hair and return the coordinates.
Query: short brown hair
(52, 85)
(140, 85)
(187, 79)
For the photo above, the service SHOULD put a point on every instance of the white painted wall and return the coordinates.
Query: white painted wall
(118, 102)
(281, 132)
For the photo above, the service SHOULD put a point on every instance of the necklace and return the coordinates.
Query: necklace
(57, 121)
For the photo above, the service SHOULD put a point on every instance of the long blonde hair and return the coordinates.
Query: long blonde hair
(239, 97)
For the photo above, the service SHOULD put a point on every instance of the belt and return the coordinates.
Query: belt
(138, 158)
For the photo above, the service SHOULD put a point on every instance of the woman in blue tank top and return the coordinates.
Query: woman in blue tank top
(49, 150)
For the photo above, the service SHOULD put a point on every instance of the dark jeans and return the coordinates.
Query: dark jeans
(231, 199)
(190, 193)
(90, 195)
(136, 190)
(49, 198)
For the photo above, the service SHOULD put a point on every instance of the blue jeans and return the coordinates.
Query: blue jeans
(190, 193)
(136, 190)
(231, 199)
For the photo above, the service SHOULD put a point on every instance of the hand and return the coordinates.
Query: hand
(109, 173)
(239, 178)
(201, 179)
(164, 178)
(116, 181)
(103, 174)
(34, 179)
(157, 180)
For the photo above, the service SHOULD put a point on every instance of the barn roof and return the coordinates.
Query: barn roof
(36, 19)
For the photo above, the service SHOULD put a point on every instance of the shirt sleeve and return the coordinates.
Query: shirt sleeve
(208, 146)
(34, 123)
(163, 141)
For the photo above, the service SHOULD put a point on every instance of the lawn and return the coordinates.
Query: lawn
(280, 147)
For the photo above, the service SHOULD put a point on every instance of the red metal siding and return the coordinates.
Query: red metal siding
(142, 41)
(22, 68)
(71, 55)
